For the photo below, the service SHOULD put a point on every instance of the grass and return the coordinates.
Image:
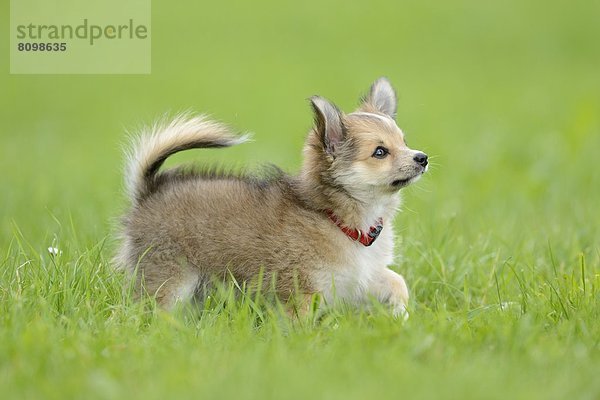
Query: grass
(499, 242)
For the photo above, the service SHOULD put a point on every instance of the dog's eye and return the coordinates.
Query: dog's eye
(380, 152)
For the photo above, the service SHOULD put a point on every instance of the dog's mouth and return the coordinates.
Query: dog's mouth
(400, 183)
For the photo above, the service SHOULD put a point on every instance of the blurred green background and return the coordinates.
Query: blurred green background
(504, 95)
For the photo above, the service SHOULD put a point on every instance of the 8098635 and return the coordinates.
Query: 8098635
(42, 46)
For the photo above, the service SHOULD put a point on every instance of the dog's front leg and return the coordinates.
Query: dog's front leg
(390, 288)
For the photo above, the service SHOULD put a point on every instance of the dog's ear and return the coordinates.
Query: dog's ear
(381, 97)
(328, 123)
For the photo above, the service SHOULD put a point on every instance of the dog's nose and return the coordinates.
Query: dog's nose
(421, 159)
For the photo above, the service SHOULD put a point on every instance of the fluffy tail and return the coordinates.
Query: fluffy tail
(150, 150)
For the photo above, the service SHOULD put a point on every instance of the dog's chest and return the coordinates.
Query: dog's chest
(358, 267)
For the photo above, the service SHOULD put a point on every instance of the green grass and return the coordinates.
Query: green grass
(500, 242)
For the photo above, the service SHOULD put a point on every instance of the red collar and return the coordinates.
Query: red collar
(365, 238)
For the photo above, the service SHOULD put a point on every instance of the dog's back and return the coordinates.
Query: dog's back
(193, 229)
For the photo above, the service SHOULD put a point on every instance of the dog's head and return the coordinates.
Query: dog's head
(364, 152)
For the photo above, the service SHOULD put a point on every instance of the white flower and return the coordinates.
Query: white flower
(54, 251)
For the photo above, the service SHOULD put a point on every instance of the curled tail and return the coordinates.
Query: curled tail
(150, 150)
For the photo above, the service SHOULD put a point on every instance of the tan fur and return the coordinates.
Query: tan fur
(186, 228)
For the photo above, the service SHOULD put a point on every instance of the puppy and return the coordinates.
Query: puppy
(326, 231)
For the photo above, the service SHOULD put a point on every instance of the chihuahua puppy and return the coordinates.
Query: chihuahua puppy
(326, 231)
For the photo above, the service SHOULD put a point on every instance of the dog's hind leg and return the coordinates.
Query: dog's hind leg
(169, 282)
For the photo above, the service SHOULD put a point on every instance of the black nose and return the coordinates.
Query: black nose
(421, 159)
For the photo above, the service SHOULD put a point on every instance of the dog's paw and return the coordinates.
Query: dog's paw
(391, 289)
(400, 312)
